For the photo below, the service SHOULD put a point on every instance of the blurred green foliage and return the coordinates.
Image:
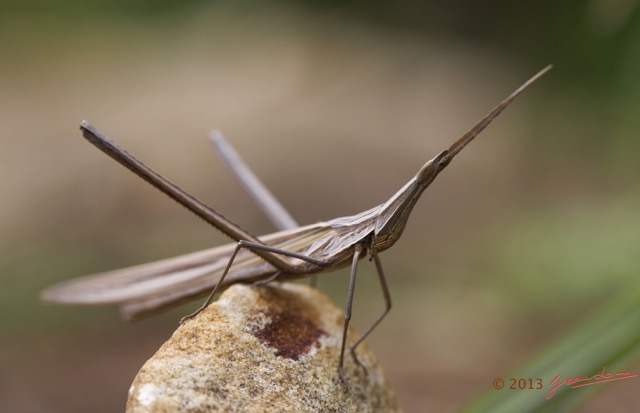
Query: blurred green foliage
(595, 39)
(593, 247)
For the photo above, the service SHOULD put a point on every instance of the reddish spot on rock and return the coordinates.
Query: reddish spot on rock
(292, 328)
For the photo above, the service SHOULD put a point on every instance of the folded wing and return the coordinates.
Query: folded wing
(148, 287)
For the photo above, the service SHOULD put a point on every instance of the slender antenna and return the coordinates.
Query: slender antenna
(486, 120)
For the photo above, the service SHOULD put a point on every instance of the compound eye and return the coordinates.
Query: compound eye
(442, 160)
(429, 171)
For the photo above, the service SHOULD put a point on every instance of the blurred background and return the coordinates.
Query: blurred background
(335, 105)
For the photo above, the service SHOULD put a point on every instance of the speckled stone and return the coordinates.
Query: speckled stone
(261, 349)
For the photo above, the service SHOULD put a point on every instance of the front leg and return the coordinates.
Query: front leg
(358, 249)
(387, 308)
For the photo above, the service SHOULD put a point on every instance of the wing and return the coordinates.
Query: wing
(146, 288)
(179, 278)
(183, 271)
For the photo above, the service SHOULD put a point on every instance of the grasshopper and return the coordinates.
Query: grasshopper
(291, 253)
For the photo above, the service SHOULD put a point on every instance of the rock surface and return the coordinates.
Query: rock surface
(261, 349)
